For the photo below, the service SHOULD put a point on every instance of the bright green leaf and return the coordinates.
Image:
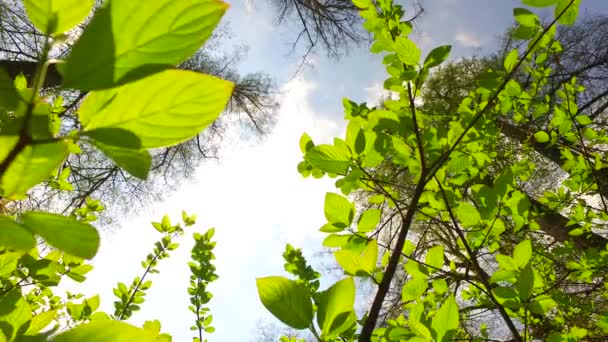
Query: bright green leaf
(446, 320)
(440, 286)
(525, 282)
(338, 210)
(568, 9)
(15, 314)
(328, 158)
(539, 3)
(437, 56)
(434, 257)
(41, 321)
(542, 304)
(135, 162)
(32, 166)
(118, 46)
(407, 51)
(525, 17)
(467, 214)
(413, 289)
(511, 60)
(369, 220)
(14, 236)
(522, 253)
(583, 120)
(161, 110)
(56, 16)
(306, 143)
(336, 308)
(541, 136)
(359, 264)
(106, 331)
(286, 300)
(64, 233)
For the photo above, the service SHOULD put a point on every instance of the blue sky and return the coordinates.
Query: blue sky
(254, 196)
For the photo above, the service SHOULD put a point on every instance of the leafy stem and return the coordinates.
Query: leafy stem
(480, 272)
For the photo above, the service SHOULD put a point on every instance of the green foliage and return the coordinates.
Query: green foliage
(135, 101)
(57, 16)
(287, 300)
(130, 298)
(117, 48)
(433, 161)
(202, 273)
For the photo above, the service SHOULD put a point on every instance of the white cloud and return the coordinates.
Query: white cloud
(256, 200)
(468, 39)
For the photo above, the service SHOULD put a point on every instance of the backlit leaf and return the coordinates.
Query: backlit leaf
(106, 331)
(14, 236)
(286, 300)
(336, 308)
(446, 320)
(56, 16)
(118, 46)
(64, 233)
(161, 110)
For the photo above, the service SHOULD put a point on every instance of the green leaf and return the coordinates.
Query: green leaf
(437, 56)
(355, 137)
(542, 304)
(286, 300)
(525, 17)
(359, 264)
(434, 257)
(369, 220)
(161, 110)
(446, 321)
(65, 233)
(118, 47)
(15, 314)
(8, 262)
(9, 97)
(328, 158)
(522, 253)
(525, 282)
(106, 331)
(414, 289)
(135, 162)
(335, 240)
(541, 136)
(511, 60)
(338, 210)
(570, 12)
(336, 308)
(467, 214)
(56, 16)
(440, 286)
(506, 296)
(407, 51)
(332, 228)
(306, 143)
(583, 120)
(32, 166)
(115, 137)
(14, 236)
(41, 321)
(539, 3)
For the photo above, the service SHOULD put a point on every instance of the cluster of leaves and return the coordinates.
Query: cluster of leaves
(135, 101)
(202, 273)
(130, 298)
(434, 174)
